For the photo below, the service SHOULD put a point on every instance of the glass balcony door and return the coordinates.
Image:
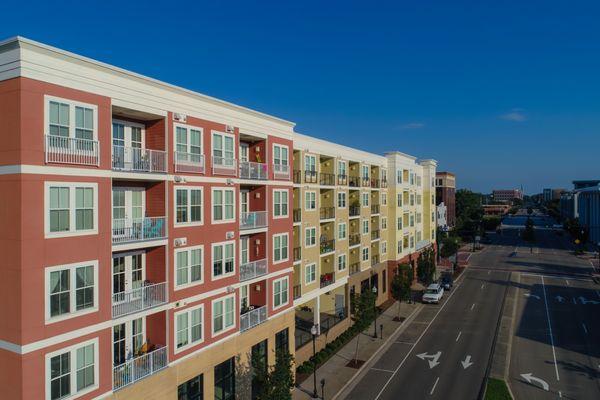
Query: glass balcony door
(129, 273)
(128, 142)
(128, 210)
(128, 340)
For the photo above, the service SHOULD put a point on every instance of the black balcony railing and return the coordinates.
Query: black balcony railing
(342, 179)
(297, 291)
(374, 260)
(297, 176)
(327, 179)
(327, 279)
(374, 208)
(310, 176)
(297, 214)
(365, 181)
(354, 268)
(374, 183)
(327, 212)
(354, 181)
(354, 211)
(384, 183)
(375, 234)
(297, 253)
(327, 246)
(354, 239)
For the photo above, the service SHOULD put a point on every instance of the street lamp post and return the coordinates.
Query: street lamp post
(313, 331)
(375, 310)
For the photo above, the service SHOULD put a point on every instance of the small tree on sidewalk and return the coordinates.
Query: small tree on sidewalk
(401, 284)
(426, 266)
(277, 381)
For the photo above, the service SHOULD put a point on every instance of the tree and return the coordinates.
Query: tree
(449, 247)
(400, 287)
(529, 233)
(364, 308)
(469, 213)
(426, 266)
(277, 381)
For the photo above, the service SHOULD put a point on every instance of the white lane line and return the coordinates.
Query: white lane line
(417, 341)
(434, 385)
(458, 337)
(560, 394)
(550, 329)
(382, 370)
(473, 306)
(584, 328)
(482, 285)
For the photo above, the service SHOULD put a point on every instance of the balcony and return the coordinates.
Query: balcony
(354, 181)
(374, 260)
(253, 220)
(148, 296)
(327, 212)
(327, 279)
(327, 246)
(253, 269)
(281, 171)
(310, 176)
(66, 150)
(342, 180)
(189, 162)
(421, 244)
(297, 291)
(384, 183)
(253, 170)
(253, 318)
(224, 166)
(326, 179)
(354, 239)
(365, 181)
(375, 234)
(127, 230)
(297, 253)
(297, 214)
(374, 208)
(374, 183)
(134, 159)
(297, 176)
(354, 211)
(139, 367)
(354, 268)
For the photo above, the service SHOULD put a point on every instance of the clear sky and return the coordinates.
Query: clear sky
(503, 93)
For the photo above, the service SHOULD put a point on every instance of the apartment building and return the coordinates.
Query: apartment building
(162, 238)
(446, 193)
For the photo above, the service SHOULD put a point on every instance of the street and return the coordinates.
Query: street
(444, 351)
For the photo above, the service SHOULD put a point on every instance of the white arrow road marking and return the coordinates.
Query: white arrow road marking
(458, 337)
(434, 358)
(583, 300)
(535, 296)
(568, 284)
(530, 378)
(434, 385)
(473, 306)
(559, 298)
(482, 285)
(467, 363)
(584, 328)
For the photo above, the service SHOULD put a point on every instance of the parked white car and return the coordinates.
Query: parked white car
(433, 293)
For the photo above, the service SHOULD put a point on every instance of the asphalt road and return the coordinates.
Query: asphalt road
(444, 352)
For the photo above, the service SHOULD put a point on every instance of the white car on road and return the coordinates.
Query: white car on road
(433, 293)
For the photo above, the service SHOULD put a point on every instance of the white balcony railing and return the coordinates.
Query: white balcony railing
(224, 166)
(138, 229)
(138, 160)
(253, 220)
(281, 171)
(67, 150)
(139, 367)
(422, 244)
(253, 269)
(139, 299)
(253, 170)
(189, 162)
(252, 318)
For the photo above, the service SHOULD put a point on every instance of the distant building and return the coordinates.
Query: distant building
(495, 209)
(442, 216)
(582, 184)
(568, 205)
(588, 209)
(507, 196)
(552, 194)
(445, 192)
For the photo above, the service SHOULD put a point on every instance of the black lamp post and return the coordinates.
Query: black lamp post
(313, 331)
(375, 310)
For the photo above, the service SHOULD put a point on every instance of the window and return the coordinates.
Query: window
(280, 203)
(384, 199)
(282, 342)
(383, 223)
(68, 119)
(188, 327)
(341, 200)
(383, 248)
(310, 273)
(405, 242)
(433, 217)
(412, 220)
(365, 172)
(223, 149)
(419, 236)
(310, 200)
(259, 366)
(223, 314)
(280, 156)
(189, 266)
(342, 231)
(365, 254)
(280, 293)
(412, 241)
(399, 223)
(398, 176)
(188, 142)
(223, 205)
(342, 168)
(192, 389)
(71, 209)
(225, 380)
(310, 163)
(280, 248)
(71, 290)
(419, 218)
(365, 199)
(419, 199)
(188, 205)
(341, 262)
(72, 371)
(412, 199)
(418, 180)
(399, 199)
(365, 226)
(412, 178)
(399, 246)
(223, 260)
(310, 237)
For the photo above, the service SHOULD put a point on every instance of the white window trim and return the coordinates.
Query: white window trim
(72, 104)
(383, 248)
(343, 192)
(287, 299)
(287, 214)
(306, 203)
(188, 127)
(305, 236)
(212, 203)
(190, 343)
(73, 368)
(337, 262)
(313, 157)
(72, 222)
(212, 260)
(287, 161)
(362, 227)
(345, 167)
(188, 250)
(362, 254)
(189, 189)
(307, 282)
(362, 199)
(72, 281)
(212, 146)
(383, 223)
(345, 231)
(288, 248)
(212, 315)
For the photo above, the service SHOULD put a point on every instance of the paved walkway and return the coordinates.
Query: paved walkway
(336, 373)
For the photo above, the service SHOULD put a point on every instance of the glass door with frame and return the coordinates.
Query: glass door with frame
(129, 273)
(128, 211)
(128, 340)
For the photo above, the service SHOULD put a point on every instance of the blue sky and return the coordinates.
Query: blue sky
(502, 93)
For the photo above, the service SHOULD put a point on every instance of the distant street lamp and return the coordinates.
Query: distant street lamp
(375, 309)
(313, 332)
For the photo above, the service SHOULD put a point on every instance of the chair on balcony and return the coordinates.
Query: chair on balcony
(250, 219)
(153, 231)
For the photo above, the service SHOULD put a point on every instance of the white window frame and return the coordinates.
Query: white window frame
(383, 199)
(287, 299)
(72, 208)
(287, 208)
(313, 157)
(212, 147)
(345, 198)
(307, 203)
(383, 223)
(72, 291)
(310, 228)
(212, 204)
(212, 260)
(189, 206)
(399, 223)
(337, 263)
(72, 104)
(281, 235)
(339, 230)
(399, 173)
(73, 368)
(342, 162)
(363, 169)
(363, 225)
(364, 195)
(188, 144)
(306, 270)
(399, 199)
(189, 250)
(383, 249)
(281, 146)
(365, 254)
(191, 343)
(212, 315)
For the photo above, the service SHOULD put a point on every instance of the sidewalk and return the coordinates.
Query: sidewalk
(336, 373)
